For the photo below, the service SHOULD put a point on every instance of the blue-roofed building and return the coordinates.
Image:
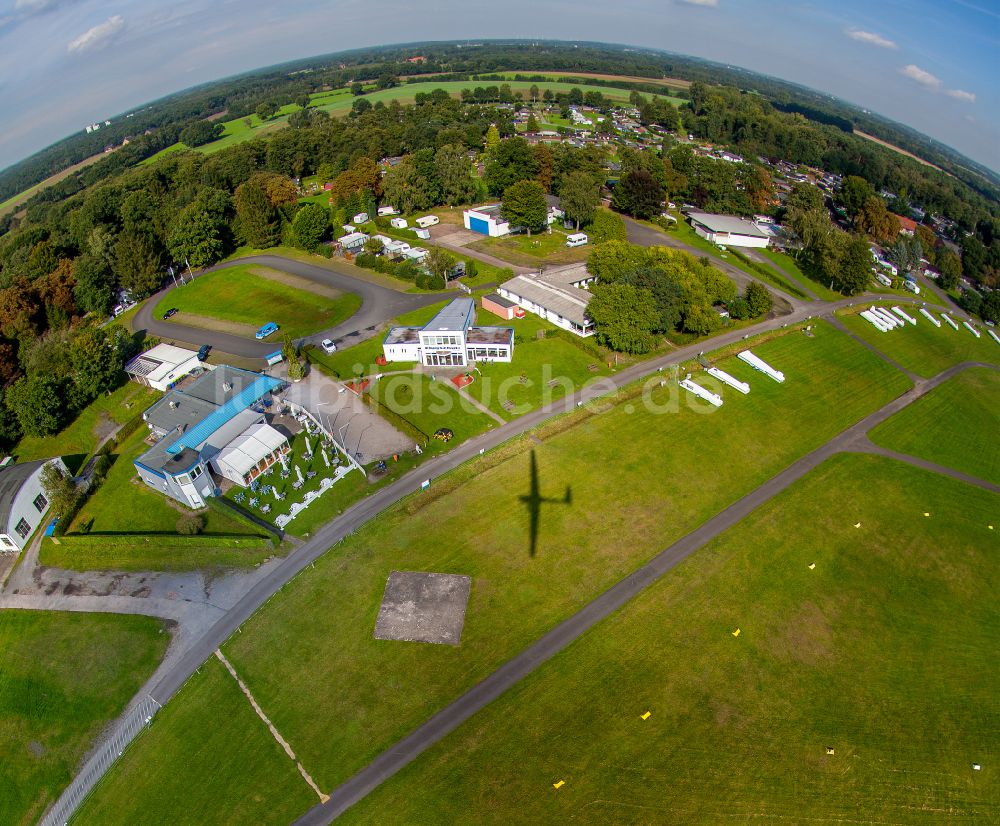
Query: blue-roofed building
(450, 339)
(196, 421)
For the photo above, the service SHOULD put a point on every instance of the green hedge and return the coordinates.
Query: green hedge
(173, 541)
(397, 421)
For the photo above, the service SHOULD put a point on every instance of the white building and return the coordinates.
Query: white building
(486, 220)
(558, 295)
(728, 230)
(162, 366)
(450, 339)
(251, 454)
(23, 503)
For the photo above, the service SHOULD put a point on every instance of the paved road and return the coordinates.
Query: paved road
(513, 671)
(378, 305)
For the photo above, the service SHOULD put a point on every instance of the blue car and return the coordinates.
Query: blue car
(267, 329)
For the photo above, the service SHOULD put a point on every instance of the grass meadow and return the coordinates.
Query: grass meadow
(955, 425)
(884, 652)
(63, 677)
(638, 476)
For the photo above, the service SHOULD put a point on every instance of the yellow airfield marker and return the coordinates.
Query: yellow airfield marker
(858, 525)
(559, 785)
(645, 716)
(990, 527)
(926, 513)
(812, 567)
(736, 633)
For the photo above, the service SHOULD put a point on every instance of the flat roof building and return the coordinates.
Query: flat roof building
(558, 295)
(162, 366)
(450, 339)
(728, 230)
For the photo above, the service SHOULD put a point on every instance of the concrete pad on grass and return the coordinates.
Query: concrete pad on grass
(421, 607)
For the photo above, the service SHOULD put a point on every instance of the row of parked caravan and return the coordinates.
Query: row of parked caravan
(715, 399)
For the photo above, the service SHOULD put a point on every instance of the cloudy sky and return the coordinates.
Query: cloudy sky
(932, 65)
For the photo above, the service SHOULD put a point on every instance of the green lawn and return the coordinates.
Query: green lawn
(787, 263)
(542, 370)
(249, 295)
(252, 779)
(885, 652)
(429, 405)
(63, 678)
(639, 475)
(924, 348)
(81, 437)
(954, 425)
(531, 250)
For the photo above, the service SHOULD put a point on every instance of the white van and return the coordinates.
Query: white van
(386, 210)
(427, 221)
(577, 239)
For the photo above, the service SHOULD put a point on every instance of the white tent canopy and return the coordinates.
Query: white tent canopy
(244, 452)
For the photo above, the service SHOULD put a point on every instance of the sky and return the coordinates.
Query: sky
(931, 65)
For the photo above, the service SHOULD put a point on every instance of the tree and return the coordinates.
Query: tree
(533, 93)
(905, 254)
(137, 264)
(638, 194)
(94, 290)
(59, 489)
(511, 161)
(874, 219)
(357, 88)
(702, 320)
(406, 188)
(804, 197)
(853, 274)
(950, 266)
(624, 317)
(440, 263)
(524, 205)
(454, 173)
(303, 100)
(196, 237)
(990, 308)
(759, 300)
(200, 132)
(256, 219)
(311, 225)
(606, 226)
(668, 295)
(98, 356)
(492, 139)
(37, 403)
(854, 193)
(266, 110)
(579, 197)
(531, 127)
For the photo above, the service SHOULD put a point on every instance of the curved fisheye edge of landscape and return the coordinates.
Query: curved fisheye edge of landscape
(799, 564)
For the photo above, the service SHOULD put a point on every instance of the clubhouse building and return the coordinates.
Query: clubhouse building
(727, 230)
(450, 339)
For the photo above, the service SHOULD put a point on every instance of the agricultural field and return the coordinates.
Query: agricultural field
(954, 425)
(624, 482)
(924, 348)
(739, 727)
(93, 424)
(256, 782)
(248, 296)
(63, 677)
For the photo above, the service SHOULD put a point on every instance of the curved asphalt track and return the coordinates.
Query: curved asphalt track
(378, 305)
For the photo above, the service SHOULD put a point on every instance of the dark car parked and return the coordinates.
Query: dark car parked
(169, 313)
(203, 351)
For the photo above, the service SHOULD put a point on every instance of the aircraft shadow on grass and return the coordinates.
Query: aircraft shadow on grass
(534, 500)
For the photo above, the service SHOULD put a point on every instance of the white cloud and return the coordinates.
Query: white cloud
(98, 36)
(709, 3)
(871, 38)
(962, 95)
(923, 78)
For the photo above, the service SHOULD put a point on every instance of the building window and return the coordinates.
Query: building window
(196, 472)
(41, 503)
(23, 529)
(183, 479)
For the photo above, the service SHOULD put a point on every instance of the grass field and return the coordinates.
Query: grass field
(924, 348)
(531, 250)
(787, 263)
(79, 439)
(884, 652)
(954, 425)
(639, 476)
(252, 295)
(543, 370)
(123, 504)
(253, 779)
(429, 405)
(63, 677)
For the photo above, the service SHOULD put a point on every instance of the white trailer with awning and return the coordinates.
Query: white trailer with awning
(761, 365)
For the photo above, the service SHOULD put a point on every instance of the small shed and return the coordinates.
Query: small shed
(500, 306)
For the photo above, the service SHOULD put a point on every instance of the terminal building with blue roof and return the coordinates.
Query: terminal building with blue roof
(197, 420)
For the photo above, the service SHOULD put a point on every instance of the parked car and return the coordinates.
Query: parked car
(328, 346)
(267, 330)
(203, 351)
(170, 312)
